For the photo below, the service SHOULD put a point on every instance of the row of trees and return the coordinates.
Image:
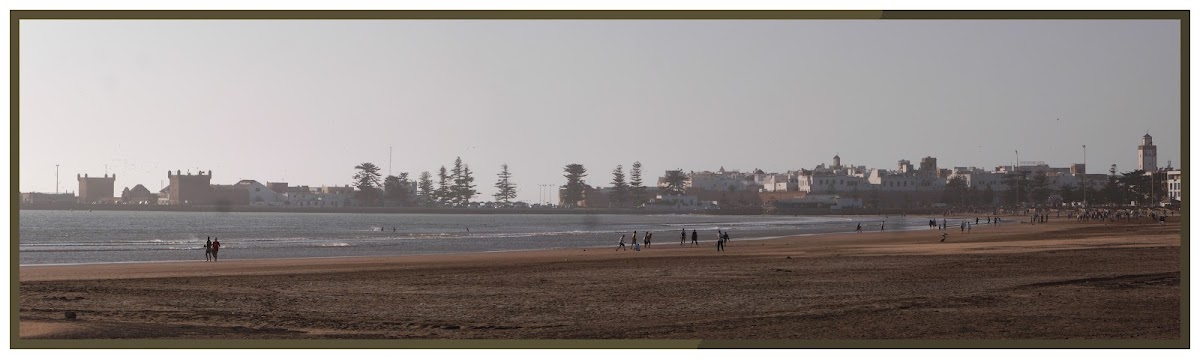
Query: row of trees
(631, 193)
(1036, 188)
(454, 187)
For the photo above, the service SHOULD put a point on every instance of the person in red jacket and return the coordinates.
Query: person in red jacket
(215, 247)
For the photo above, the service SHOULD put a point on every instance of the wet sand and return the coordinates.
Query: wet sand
(1016, 281)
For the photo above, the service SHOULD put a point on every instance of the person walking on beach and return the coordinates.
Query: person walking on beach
(720, 242)
(881, 225)
(976, 220)
(682, 236)
(621, 245)
(635, 238)
(695, 238)
(962, 227)
(968, 227)
(647, 240)
(208, 250)
(216, 246)
(858, 229)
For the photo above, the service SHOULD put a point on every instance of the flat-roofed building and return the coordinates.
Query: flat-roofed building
(96, 189)
(47, 198)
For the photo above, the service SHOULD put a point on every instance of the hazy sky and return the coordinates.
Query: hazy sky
(306, 101)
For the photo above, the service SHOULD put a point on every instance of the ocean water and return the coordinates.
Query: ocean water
(65, 237)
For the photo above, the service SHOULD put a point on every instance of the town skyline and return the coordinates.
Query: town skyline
(304, 102)
(486, 189)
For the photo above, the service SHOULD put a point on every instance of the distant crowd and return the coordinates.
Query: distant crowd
(722, 240)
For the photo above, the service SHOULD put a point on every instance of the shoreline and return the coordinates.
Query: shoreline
(1055, 280)
(709, 241)
(748, 211)
(805, 240)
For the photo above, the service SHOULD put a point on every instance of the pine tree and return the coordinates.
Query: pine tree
(955, 191)
(572, 193)
(367, 181)
(1039, 188)
(620, 191)
(404, 191)
(391, 188)
(675, 182)
(425, 189)
(505, 189)
(466, 186)
(637, 189)
(456, 191)
(442, 193)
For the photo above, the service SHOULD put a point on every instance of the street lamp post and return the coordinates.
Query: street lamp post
(1017, 171)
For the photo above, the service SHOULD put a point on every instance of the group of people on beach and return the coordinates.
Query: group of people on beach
(1113, 215)
(722, 240)
(858, 229)
(211, 246)
(636, 247)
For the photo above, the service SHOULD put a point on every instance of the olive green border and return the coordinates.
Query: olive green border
(15, 16)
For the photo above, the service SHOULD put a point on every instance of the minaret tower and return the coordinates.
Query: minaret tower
(1147, 160)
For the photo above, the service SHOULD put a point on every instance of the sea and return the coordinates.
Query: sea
(51, 237)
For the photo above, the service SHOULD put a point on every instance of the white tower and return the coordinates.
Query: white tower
(1147, 160)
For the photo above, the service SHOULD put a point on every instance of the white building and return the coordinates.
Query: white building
(983, 180)
(719, 181)
(831, 183)
(886, 181)
(317, 198)
(1175, 185)
(780, 182)
(896, 183)
(261, 195)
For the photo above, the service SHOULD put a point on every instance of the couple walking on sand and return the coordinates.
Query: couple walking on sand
(210, 249)
(722, 240)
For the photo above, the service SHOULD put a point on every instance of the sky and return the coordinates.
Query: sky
(304, 101)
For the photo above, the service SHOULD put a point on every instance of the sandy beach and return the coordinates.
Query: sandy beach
(1016, 281)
